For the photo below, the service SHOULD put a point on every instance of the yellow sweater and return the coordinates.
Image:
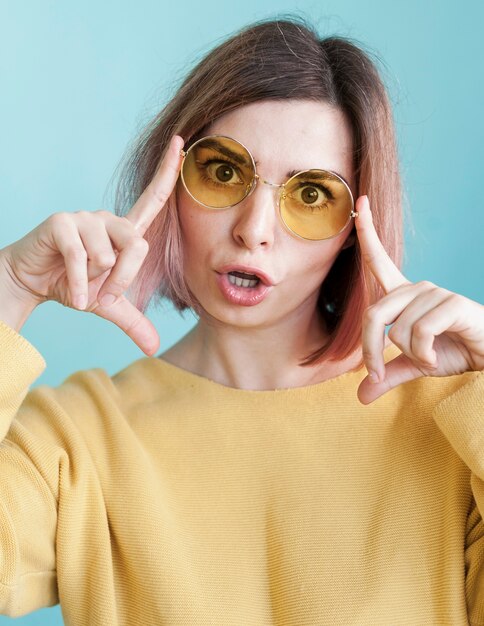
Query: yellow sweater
(159, 497)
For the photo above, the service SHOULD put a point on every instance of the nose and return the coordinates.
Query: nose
(256, 217)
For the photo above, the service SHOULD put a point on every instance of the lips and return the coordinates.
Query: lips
(264, 278)
(241, 296)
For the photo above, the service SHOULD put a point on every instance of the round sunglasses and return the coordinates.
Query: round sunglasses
(219, 172)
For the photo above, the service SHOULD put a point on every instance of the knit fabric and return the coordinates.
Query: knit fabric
(159, 497)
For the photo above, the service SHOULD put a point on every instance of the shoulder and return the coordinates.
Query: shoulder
(90, 403)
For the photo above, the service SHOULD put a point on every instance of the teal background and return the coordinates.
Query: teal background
(78, 80)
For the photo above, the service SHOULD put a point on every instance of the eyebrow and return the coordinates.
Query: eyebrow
(313, 175)
(238, 158)
(235, 156)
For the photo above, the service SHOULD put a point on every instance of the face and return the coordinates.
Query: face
(282, 136)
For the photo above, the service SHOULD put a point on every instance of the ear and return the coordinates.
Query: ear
(350, 240)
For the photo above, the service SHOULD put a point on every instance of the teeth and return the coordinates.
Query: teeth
(242, 282)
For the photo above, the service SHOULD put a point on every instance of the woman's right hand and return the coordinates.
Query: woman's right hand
(77, 258)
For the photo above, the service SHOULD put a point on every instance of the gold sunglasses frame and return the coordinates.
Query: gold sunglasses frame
(257, 178)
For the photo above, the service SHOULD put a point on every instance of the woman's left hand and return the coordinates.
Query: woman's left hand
(440, 333)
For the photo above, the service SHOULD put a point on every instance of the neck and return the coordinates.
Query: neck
(259, 358)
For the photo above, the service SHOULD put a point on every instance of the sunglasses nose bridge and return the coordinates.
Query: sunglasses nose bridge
(267, 182)
(257, 179)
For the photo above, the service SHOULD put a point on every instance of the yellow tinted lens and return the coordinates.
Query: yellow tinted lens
(316, 204)
(218, 172)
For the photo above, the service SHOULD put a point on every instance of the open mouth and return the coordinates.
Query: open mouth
(242, 279)
(242, 288)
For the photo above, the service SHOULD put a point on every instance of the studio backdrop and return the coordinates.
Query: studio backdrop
(79, 80)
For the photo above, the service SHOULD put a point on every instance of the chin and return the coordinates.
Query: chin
(243, 317)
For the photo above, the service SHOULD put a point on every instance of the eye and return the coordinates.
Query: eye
(220, 172)
(312, 196)
(309, 195)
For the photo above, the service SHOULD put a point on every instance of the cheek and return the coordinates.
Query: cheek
(327, 251)
(201, 229)
(191, 220)
(199, 237)
(318, 262)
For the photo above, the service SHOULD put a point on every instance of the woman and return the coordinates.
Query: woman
(237, 478)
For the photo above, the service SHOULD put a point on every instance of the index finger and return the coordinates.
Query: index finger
(154, 197)
(373, 252)
(130, 319)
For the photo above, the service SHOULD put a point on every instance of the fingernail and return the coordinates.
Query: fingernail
(107, 299)
(373, 376)
(80, 302)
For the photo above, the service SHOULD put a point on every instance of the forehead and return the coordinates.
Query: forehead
(291, 135)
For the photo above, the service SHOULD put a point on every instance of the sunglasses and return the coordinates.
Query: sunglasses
(219, 172)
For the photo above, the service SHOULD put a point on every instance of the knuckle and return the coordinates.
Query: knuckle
(421, 329)
(426, 284)
(58, 219)
(374, 257)
(128, 226)
(159, 194)
(396, 335)
(76, 254)
(369, 257)
(117, 285)
(140, 246)
(126, 222)
(103, 213)
(134, 323)
(83, 214)
(457, 300)
(404, 286)
(371, 314)
(367, 355)
(103, 259)
(77, 282)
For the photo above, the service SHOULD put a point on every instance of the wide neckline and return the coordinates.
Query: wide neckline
(190, 378)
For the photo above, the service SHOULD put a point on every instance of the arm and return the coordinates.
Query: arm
(53, 515)
(28, 493)
(461, 419)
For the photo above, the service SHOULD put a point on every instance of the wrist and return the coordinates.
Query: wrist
(15, 304)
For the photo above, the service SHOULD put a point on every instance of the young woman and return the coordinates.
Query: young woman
(283, 463)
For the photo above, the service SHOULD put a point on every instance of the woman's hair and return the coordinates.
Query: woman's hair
(277, 59)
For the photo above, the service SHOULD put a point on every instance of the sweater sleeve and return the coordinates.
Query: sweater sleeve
(460, 417)
(29, 470)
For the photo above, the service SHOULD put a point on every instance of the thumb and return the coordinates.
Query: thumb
(130, 319)
(397, 371)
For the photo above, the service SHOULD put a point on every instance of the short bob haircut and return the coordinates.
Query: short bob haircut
(276, 59)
